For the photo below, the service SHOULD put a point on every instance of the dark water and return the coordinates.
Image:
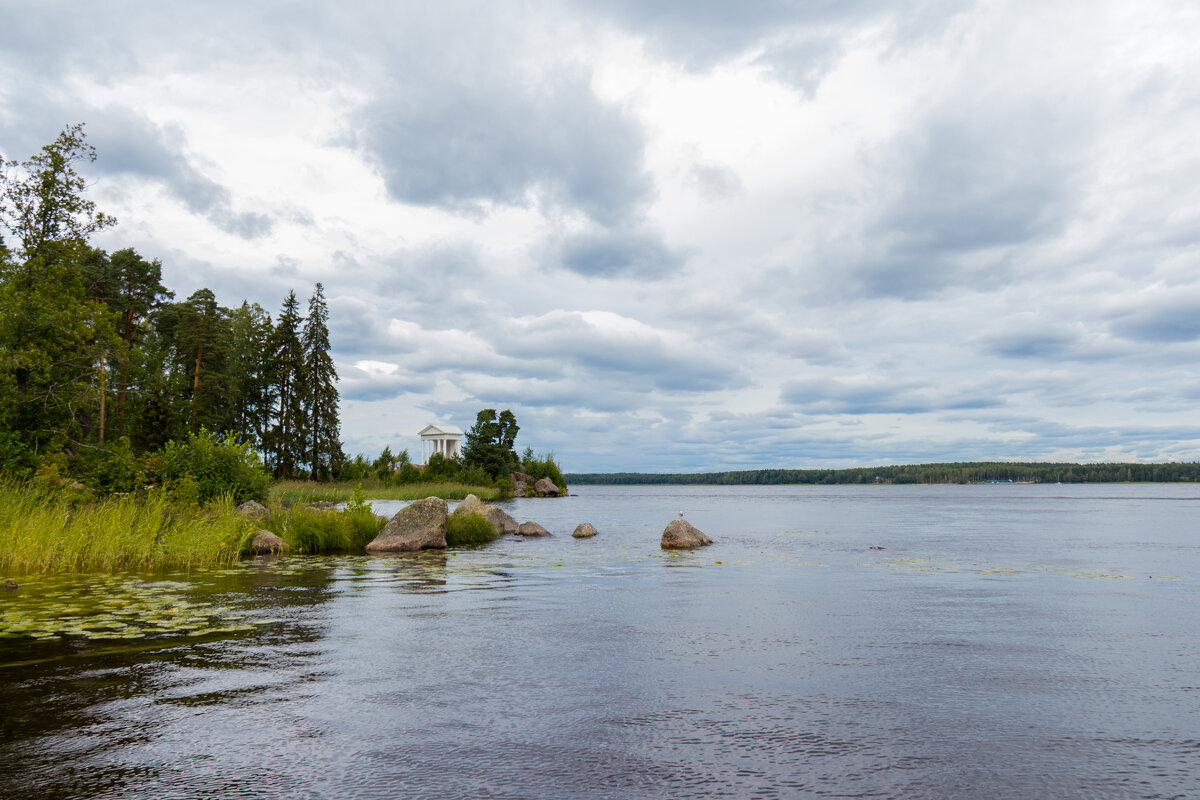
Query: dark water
(1008, 642)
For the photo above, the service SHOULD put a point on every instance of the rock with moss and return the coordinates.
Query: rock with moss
(265, 542)
(252, 509)
(584, 530)
(681, 535)
(531, 529)
(421, 525)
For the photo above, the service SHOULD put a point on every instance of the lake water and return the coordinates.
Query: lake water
(1008, 642)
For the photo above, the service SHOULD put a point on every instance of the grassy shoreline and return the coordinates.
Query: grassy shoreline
(298, 492)
(45, 530)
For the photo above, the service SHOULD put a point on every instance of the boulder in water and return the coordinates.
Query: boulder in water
(531, 529)
(681, 535)
(584, 530)
(545, 488)
(420, 525)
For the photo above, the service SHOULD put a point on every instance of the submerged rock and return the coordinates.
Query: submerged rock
(681, 534)
(545, 488)
(252, 509)
(420, 525)
(266, 542)
(10, 585)
(531, 529)
(584, 530)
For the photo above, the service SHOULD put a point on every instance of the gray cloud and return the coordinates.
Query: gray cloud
(609, 253)
(881, 396)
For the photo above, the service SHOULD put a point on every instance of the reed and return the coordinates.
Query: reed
(44, 531)
(469, 529)
(313, 531)
(299, 492)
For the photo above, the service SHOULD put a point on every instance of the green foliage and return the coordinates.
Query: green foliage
(489, 443)
(544, 467)
(297, 492)
(313, 530)
(50, 530)
(206, 466)
(441, 468)
(117, 468)
(357, 504)
(355, 469)
(286, 443)
(464, 529)
(323, 448)
(407, 474)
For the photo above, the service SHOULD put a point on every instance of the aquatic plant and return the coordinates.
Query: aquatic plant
(469, 529)
(321, 530)
(47, 531)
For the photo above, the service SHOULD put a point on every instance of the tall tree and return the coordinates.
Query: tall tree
(286, 446)
(324, 452)
(490, 442)
(251, 368)
(52, 338)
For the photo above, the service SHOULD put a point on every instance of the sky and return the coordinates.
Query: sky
(672, 236)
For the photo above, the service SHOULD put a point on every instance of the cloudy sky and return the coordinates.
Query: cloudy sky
(673, 236)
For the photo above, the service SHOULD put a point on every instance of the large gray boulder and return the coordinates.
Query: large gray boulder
(520, 481)
(252, 509)
(531, 529)
(493, 514)
(266, 542)
(545, 488)
(497, 516)
(420, 525)
(584, 530)
(681, 534)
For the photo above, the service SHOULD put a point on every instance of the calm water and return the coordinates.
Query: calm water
(1007, 642)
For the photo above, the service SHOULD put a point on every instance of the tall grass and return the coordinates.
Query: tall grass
(297, 492)
(42, 530)
(313, 530)
(469, 529)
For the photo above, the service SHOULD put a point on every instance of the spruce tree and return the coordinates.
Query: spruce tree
(324, 452)
(286, 446)
(251, 366)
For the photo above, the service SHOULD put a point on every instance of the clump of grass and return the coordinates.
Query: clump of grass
(316, 530)
(48, 531)
(469, 529)
(299, 492)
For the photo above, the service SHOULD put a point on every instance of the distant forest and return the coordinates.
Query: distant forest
(961, 472)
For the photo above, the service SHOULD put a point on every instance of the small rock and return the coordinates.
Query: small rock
(501, 521)
(681, 534)
(584, 530)
(545, 488)
(10, 585)
(877, 547)
(252, 509)
(531, 529)
(266, 542)
(420, 525)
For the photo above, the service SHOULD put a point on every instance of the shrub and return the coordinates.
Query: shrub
(544, 467)
(206, 466)
(318, 530)
(441, 468)
(469, 529)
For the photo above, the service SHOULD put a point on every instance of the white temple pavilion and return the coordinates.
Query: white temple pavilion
(444, 439)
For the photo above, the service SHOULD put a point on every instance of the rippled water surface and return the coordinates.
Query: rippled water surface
(1006, 641)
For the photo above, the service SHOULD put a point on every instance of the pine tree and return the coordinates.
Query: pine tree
(286, 446)
(324, 452)
(251, 366)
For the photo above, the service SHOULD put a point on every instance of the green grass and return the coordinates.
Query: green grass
(313, 530)
(469, 529)
(42, 530)
(298, 492)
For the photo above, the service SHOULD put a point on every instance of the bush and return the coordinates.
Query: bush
(206, 466)
(441, 468)
(469, 529)
(544, 467)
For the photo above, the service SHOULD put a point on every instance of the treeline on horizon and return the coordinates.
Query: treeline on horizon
(959, 472)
